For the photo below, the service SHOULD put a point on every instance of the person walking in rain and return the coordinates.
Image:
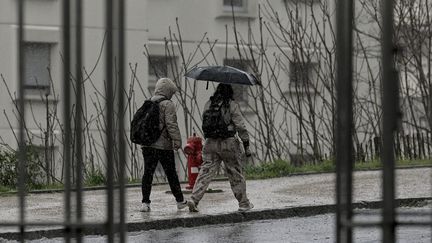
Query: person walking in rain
(163, 149)
(222, 120)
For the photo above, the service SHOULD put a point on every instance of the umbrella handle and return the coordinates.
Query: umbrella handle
(207, 85)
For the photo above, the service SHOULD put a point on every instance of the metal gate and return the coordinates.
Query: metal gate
(345, 222)
(72, 32)
(115, 227)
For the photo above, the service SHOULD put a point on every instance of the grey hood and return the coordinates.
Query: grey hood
(170, 138)
(165, 87)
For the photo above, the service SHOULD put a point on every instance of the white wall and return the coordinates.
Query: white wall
(147, 23)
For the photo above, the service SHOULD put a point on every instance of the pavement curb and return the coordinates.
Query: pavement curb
(231, 217)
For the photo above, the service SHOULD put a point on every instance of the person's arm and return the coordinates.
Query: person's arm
(172, 125)
(240, 126)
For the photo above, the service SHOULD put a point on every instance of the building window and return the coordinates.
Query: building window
(160, 67)
(301, 73)
(236, 5)
(241, 94)
(37, 61)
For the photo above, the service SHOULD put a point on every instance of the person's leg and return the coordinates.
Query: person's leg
(209, 168)
(166, 158)
(232, 158)
(150, 163)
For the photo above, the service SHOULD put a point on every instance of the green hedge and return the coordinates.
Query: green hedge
(280, 168)
(9, 169)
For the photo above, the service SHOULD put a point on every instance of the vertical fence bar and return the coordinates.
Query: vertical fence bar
(389, 102)
(78, 116)
(428, 143)
(21, 112)
(121, 124)
(344, 122)
(110, 118)
(66, 118)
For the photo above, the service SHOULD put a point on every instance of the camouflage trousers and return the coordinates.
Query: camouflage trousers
(214, 152)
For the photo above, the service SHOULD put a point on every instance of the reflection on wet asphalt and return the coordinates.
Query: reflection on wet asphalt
(318, 228)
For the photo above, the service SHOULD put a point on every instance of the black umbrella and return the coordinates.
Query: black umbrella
(222, 74)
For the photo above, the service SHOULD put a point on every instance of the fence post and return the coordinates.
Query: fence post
(408, 146)
(377, 145)
(344, 119)
(414, 146)
(390, 103)
(22, 149)
(397, 145)
(428, 144)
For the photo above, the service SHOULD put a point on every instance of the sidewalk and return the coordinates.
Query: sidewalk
(279, 197)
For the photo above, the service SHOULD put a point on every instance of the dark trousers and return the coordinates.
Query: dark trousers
(166, 157)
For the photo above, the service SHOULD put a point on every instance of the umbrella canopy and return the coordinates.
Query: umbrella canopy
(222, 74)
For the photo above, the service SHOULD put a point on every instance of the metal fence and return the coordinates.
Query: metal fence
(72, 32)
(416, 146)
(115, 227)
(345, 222)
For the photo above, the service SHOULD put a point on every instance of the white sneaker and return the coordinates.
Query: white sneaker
(192, 206)
(145, 207)
(246, 208)
(181, 205)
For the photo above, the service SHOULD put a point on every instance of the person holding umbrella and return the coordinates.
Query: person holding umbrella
(222, 120)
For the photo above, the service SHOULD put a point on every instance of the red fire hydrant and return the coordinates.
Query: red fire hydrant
(193, 150)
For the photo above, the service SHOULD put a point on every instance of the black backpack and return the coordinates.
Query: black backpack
(214, 125)
(145, 123)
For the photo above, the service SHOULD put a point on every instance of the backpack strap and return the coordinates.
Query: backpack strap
(220, 104)
(224, 106)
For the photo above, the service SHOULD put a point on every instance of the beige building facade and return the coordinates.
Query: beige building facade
(289, 45)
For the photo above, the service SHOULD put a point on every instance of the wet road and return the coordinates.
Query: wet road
(318, 228)
(270, 194)
(292, 191)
